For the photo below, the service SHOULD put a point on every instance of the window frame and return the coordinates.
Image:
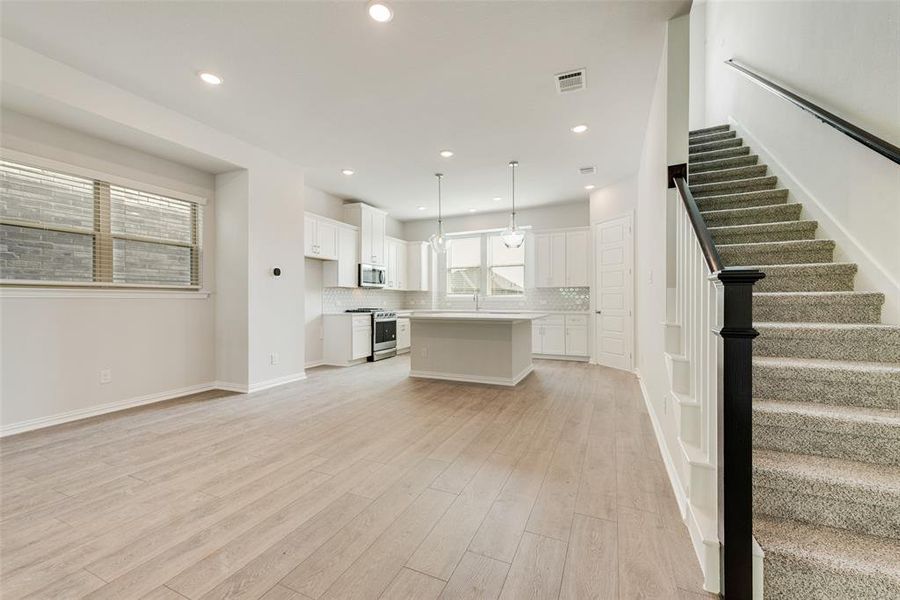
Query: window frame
(101, 232)
(484, 268)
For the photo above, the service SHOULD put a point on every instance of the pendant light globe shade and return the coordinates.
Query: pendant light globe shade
(439, 241)
(512, 236)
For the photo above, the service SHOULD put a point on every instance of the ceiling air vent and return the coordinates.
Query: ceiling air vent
(570, 81)
(587, 170)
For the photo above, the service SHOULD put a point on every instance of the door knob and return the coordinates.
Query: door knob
(599, 311)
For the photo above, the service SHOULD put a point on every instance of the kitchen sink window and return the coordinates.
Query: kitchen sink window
(482, 263)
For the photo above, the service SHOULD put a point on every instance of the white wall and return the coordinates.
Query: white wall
(613, 200)
(572, 214)
(268, 195)
(313, 303)
(54, 343)
(843, 56)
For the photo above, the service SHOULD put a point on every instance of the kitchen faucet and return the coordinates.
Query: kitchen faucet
(475, 297)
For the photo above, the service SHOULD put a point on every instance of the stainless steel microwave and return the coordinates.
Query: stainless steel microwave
(372, 276)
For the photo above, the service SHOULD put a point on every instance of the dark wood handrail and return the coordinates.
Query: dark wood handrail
(867, 139)
(707, 246)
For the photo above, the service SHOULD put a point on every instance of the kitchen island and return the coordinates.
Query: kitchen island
(478, 347)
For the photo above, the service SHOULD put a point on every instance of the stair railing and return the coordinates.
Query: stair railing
(714, 306)
(870, 140)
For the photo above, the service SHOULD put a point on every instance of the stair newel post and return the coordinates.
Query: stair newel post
(735, 427)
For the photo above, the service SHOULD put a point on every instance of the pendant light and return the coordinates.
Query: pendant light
(438, 240)
(512, 236)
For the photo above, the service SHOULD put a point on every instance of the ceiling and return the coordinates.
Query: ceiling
(323, 85)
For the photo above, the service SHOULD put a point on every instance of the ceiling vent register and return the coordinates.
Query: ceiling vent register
(571, 81)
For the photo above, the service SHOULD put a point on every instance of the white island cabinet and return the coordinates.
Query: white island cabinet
(492, 348)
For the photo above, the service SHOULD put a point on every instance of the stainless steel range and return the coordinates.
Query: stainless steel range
(384, 332)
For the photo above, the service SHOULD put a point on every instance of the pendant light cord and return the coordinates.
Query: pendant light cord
(513, 164)
(440, 214)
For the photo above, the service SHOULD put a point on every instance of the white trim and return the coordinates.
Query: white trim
(871, 273)
(705, 550)
(228, 386)
(569, 357)
(101, 409)
(313, 364)
(505, 381)
(270, 383)
(97, 292)
(593, 287)
(41, 162)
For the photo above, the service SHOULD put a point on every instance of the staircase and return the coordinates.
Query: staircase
(826, 387)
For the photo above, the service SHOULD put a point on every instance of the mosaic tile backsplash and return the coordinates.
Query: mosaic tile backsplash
(572, 299)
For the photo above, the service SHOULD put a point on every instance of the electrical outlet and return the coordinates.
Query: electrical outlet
(105, 376)
(273, 358)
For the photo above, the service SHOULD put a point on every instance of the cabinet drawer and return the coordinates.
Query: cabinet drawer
(362, 322)
(576, 320)
(558, 320)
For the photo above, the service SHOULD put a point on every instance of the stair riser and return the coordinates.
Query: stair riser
(711, 137)
(836, 507)
(720, 145)
(791, 578)
(733, 187)
(736, 257)
(727, 174)
(825, 388)
(790, 438)
(782, 281)
(769, 214)
(783, 310)
(784, 235)
(708, 130)
(701, 157)
(744, 200)
(870, 347)
(725, 163)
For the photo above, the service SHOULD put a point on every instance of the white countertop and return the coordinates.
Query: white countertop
(476, 316)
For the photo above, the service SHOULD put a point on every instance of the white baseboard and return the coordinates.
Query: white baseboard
(101, 409)
(314, 364)
(228, 386)
(270, 383)
(505, 381)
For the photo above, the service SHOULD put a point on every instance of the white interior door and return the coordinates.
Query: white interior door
(613, 313)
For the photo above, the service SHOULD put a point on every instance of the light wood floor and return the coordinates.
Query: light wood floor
(356, 483)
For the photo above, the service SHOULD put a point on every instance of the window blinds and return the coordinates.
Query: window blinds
(58, 228)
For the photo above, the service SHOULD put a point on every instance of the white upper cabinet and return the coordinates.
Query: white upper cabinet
(561, 258)
(320, 237)
(344, 272)
(577, 251)
(396, 264)
(371, 223)
(418, 258)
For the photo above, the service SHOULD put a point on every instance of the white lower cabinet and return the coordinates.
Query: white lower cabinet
(560, 335)
(347, 338)
(403, 335)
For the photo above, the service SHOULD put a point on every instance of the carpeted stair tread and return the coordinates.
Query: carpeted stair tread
(701, 157)
(814, 562)
(856, 481)
(764, 232)
(722, 163)
(818, 307)
(708, 130)
(751, 199)
(719, 188)
(812, 277)
(745, 172)
(836, 341)
(711, 137)
(777, 253)
(746, 216)
(735, 142)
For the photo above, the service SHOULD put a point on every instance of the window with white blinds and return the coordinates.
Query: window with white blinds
(59, 228)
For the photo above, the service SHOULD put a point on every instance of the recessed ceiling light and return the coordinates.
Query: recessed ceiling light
(497, 198)
(579, 129)
(446, 153)
(211, 78)
(473, 209)
(347, 171)
(589, 186)
(380, 11)
(421, 208)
